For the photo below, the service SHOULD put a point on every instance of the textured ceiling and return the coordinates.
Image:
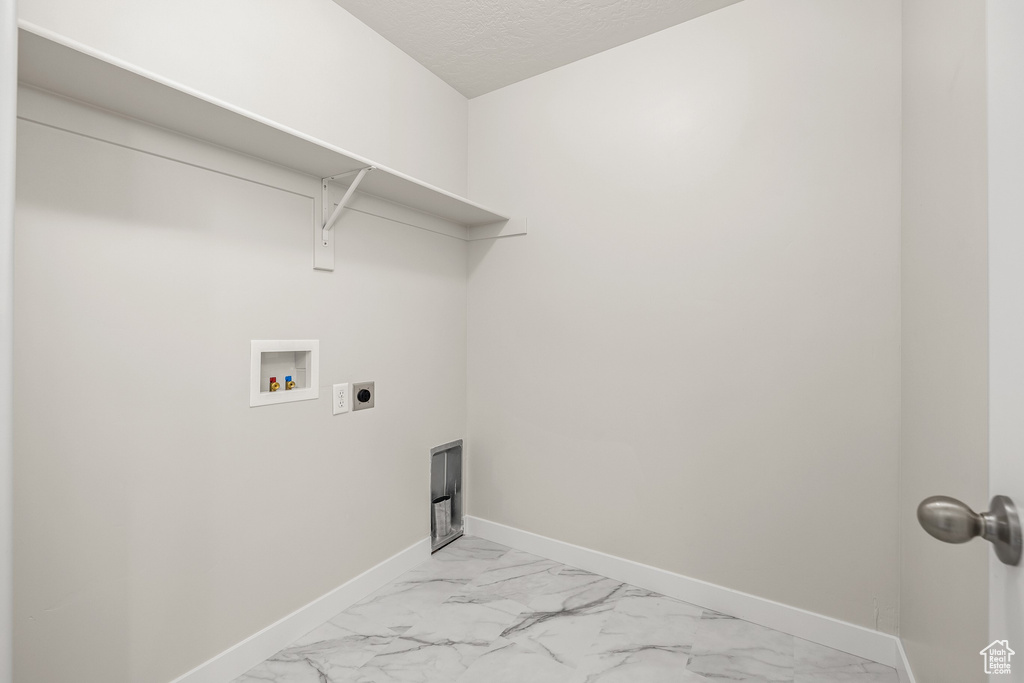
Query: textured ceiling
(481, 45)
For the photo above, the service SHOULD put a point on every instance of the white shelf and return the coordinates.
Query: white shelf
(57, 64)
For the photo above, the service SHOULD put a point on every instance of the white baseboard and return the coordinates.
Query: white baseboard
(856, 640)
(903, 664)
(239, 658)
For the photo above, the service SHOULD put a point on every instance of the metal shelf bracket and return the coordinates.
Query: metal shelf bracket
(329, 221)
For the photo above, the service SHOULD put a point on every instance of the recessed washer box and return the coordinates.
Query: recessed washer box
(280, 358)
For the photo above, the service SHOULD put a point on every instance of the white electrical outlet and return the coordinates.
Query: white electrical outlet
(340, 398)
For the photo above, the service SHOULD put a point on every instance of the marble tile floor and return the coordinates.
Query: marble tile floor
(478, 612)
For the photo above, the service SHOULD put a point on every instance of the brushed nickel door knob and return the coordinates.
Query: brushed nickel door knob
(952, 521)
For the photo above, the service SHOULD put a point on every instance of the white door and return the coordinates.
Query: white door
(1006, 304)
(8, 93)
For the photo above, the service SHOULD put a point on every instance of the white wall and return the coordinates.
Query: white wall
(161, 520)
(943, 588)
(693, 359)
(307, 64)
